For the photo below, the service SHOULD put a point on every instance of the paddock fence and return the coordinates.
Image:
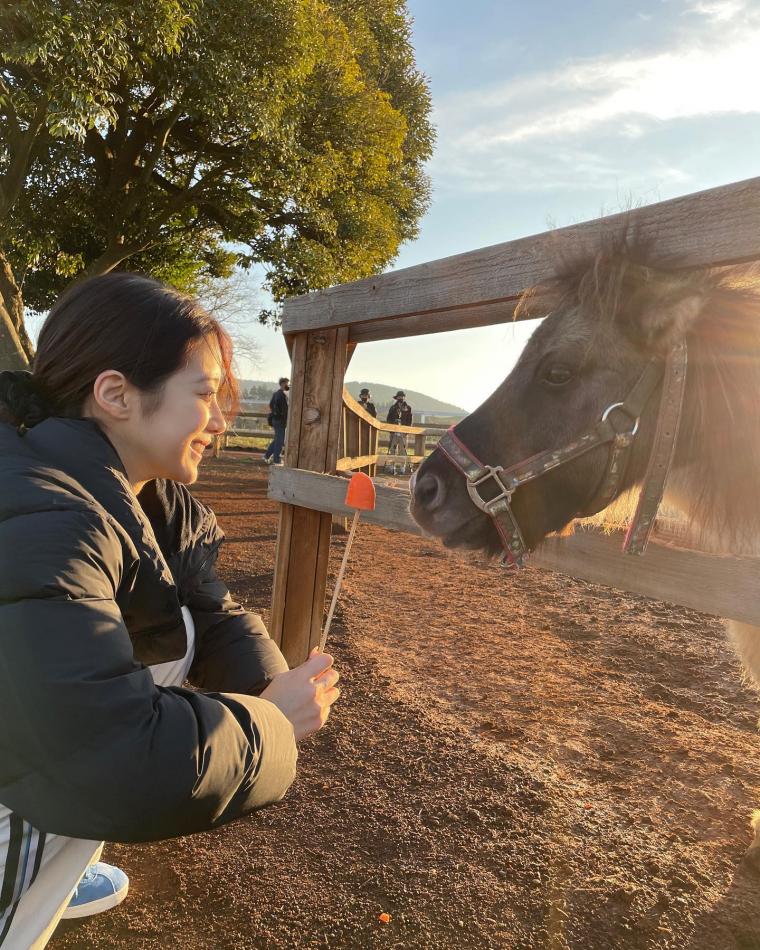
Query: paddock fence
(362, 439)
(712, 228)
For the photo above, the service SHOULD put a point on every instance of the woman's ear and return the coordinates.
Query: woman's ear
(113, 396)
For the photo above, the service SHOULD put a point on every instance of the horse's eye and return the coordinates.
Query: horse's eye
(557, 375)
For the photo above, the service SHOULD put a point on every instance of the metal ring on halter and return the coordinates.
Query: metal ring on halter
(621, 405)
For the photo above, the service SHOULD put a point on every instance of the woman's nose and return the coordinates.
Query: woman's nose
(217, 422)
(429, 491)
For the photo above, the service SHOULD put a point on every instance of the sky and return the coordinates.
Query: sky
(547, 114)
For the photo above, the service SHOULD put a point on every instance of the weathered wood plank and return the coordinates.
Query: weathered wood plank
(327, 492)
(353, 463)
(724, 586)
(384, 457)
(285, 530)
(356, 408)
(319, 361)
(718, 226)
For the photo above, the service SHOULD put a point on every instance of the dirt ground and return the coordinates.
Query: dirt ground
(517, 762)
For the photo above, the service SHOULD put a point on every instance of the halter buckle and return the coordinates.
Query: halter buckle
(493, 472)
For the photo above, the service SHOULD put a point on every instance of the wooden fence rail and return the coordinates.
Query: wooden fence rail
(710, 228)
(724, 586)
(362, 437)
(479, 288)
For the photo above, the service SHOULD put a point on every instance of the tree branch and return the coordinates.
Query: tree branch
(12, 117)
(20, 147)
(111, 257)
(96, 147)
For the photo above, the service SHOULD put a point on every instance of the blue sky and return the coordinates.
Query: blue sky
(550, 113)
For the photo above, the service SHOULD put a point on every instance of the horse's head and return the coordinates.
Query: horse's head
(608, 320)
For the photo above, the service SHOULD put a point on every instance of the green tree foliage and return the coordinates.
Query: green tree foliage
(291, 133)
(59, 66)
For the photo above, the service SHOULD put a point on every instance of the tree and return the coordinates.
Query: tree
(59, 62)
(291, 133)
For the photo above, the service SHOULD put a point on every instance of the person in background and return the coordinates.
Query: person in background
(366, 403)
(278, 420)
(110, 600)
(399, 414)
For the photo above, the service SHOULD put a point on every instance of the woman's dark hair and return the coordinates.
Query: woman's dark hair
(124, 322)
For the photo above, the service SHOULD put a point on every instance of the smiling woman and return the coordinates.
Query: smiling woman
(149, 365)
(109, 601)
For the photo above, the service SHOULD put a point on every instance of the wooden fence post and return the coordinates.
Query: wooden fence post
(303, 545)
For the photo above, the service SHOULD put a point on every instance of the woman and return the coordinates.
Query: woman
(109, 600)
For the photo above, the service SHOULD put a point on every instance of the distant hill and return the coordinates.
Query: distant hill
(382, 395)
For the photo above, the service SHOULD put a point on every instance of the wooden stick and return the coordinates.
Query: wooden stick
(339, 581)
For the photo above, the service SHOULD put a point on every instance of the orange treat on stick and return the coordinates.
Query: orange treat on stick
(361, 492)
(360, 495)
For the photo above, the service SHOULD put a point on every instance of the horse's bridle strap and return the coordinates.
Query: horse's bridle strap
(506, 481)
(663, 450)
(498, 507)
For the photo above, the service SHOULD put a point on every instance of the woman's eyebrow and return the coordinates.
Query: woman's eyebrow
(208, 379)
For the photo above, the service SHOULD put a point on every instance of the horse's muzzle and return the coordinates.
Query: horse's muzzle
(428, 492)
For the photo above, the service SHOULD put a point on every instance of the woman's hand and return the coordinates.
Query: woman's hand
(306, 693)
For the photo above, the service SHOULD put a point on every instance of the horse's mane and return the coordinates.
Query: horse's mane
(721, 416)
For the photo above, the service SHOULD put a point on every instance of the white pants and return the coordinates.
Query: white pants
(64, 860)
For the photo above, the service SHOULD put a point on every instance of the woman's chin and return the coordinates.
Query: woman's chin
(186, 473)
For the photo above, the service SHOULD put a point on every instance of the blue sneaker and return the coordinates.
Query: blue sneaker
(102, 887)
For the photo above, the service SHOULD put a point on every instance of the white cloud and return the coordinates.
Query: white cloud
(574, 124)
(719, 10)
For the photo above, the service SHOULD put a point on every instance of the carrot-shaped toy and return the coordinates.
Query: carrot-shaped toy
(360, 496)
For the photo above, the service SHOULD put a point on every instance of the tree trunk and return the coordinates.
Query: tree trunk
(16, 350)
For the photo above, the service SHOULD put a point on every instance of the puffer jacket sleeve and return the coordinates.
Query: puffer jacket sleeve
(89, 746)
(234, 652)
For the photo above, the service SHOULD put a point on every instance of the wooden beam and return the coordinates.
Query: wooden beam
(384, 457)
(714, 227)
(319, 361)
(357, 409)
(724, 586)
(327, 493)
(352, 463)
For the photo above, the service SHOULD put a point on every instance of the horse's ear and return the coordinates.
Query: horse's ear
(662, 320)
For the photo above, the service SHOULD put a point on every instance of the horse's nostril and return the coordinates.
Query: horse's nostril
(429, 491)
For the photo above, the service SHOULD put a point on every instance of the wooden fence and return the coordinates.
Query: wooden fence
(711, 228)
(362, 438)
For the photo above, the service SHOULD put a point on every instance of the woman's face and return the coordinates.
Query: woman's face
(169, 442)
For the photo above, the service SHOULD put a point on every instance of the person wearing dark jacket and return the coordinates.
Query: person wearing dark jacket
(109, 600)
(399, 414)
(365, 401)
(278, 420)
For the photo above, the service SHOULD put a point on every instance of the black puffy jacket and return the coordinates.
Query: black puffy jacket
(278, 406)
(91, 588)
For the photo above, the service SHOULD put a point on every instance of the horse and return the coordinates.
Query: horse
(613, 317)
